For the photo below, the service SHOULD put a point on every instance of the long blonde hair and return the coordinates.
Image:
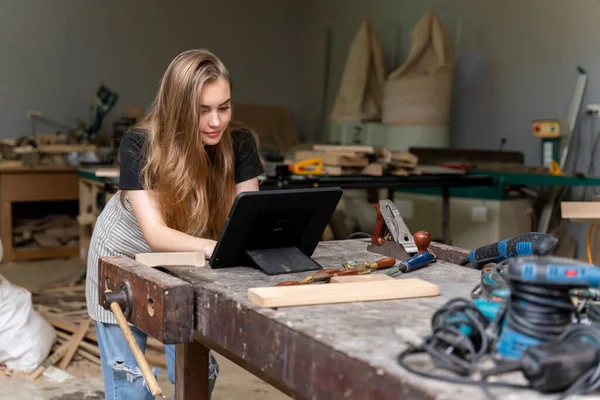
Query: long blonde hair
(193, 185)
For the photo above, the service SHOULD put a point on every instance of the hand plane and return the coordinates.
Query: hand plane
(391, 237)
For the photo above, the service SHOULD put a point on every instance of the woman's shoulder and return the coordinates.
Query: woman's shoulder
(134, 137)
(240, 133)
(135, 133)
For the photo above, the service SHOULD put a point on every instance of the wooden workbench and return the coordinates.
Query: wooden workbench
(92, 198)
(338, 351)
(33, 184)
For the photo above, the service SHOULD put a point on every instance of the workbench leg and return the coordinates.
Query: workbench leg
(446, 215)
(191, 371)
(391, 193)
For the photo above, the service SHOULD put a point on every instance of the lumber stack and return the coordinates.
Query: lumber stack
(50, 232)
(65, 309)
(41, 149)
(360, 160)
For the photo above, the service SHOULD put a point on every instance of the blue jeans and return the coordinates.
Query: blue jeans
(122, 376)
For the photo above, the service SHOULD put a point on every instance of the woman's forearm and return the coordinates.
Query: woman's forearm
(165, 239)
(157, 234)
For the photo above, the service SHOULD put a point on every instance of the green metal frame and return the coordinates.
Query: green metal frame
(496, 192)
(503, 179)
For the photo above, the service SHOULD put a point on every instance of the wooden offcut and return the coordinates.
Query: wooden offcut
(195, 259)
(304, 295)
(581, 211)
(74, 343)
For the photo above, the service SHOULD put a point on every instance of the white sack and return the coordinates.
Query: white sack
(25, 336)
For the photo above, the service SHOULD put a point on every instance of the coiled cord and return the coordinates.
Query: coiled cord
(539, 311)
(457, 343)
(452, 348)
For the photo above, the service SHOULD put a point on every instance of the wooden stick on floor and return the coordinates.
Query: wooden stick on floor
(74, 343)
(135, 349)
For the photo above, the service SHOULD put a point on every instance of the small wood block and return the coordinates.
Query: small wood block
(581, 211)
(163, 305)
(348, 148)
(193, 259)
(360, 278)
(304, 295)
(107, 172)
(373, 169)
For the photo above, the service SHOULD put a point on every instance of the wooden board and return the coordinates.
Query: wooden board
(107, 172)
(194, 259)
(342, 148)
(581, 211)
(303, 295)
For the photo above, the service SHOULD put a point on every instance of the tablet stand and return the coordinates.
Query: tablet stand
(282, 260)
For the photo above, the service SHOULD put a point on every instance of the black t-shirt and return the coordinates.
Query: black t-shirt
(247, 162)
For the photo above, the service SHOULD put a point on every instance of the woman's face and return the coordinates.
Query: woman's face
(216, 111)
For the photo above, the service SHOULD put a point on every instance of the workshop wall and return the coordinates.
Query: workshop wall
(55, 54)
(516, 59)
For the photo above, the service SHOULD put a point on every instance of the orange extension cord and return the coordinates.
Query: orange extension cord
(589, 243)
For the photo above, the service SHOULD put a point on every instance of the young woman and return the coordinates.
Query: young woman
(180, 170)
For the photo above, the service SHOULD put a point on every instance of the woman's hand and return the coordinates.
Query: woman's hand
(209, 248)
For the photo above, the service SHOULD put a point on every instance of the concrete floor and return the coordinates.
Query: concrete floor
(86, 383)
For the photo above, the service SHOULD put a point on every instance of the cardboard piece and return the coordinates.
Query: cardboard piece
(359, 97)
(420, 91)
(273, 125)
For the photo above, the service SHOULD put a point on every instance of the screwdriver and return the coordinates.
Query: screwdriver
(414, 263)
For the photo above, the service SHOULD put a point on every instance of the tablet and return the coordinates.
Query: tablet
(276, 231)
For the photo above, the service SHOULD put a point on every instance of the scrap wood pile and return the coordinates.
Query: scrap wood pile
(53, 231)
(65, 309)
(41, 149)
(365, 160)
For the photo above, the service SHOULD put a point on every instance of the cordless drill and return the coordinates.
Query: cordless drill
(525, 244)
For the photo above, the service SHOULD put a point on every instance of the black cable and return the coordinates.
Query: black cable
(462, 335)
(476, 292)
(593, 312)
(359, 235)
(401, 359)
(453, 349)
(539, 311)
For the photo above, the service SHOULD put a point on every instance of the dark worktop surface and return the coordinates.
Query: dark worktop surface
(372, 332)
